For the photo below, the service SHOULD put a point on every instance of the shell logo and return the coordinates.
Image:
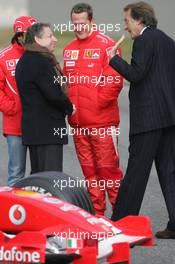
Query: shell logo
(26, 193)
(17, 214)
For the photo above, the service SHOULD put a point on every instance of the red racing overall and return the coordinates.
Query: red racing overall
(94, 88)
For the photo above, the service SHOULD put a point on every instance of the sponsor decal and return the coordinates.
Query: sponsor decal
(71, 54)
(12, 73)
(17, 214)
(74, 243)
(5, 189)
(19, 256)
(26, 193)
(37, 189)
(93, 220)
(112, 227)
(91, 54)
(69, 207)
(70, 63)
(19, 29)
(53, 200)
(32, 21)
(108, 50)
(84, 213)
(11, 64)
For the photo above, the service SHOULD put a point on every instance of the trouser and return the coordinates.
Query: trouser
(98, 156)
(46, 158)
(17, 159)
(158, 146)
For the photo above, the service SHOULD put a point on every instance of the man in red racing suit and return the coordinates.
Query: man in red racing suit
(93, 89)
(10, 104)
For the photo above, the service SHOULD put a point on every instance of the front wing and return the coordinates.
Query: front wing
(32, 247)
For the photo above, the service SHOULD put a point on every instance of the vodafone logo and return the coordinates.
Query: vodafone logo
(11, 64)
(17, 214)
(18, 256)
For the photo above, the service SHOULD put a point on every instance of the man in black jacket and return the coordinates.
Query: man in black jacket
(44, 105)
(152, 113)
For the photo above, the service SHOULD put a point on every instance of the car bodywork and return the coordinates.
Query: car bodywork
(37, 228)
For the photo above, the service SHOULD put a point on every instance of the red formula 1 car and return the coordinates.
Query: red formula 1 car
(41, 228)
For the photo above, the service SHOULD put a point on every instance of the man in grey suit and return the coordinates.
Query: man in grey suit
(152, 113)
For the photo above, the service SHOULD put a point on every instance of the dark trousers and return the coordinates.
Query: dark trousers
(158, 146)
(46, 158)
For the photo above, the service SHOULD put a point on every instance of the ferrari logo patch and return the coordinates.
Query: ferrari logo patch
(91, 54)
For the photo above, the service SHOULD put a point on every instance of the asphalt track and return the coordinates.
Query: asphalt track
(163, 252)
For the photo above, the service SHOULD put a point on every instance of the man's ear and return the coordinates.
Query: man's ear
(140, 23)
(37, 40)
(92, 21)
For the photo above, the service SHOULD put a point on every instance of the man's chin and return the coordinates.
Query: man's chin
(51, 49)
(81, 36)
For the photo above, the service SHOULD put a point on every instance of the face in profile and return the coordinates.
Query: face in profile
(47, 39)
(131, 25)
(82, 25)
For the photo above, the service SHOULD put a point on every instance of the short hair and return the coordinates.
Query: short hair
(143, 12)
(35, 31)
(82, 7)
(16, 37)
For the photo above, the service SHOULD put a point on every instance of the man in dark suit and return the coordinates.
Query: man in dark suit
(44, 105)
(152, 113)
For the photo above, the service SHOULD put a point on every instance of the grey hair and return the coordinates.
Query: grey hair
(143, 12)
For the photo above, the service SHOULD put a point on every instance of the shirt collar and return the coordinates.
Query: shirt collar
(143, 30)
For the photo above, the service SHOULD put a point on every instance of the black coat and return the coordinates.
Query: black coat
(151, 73)
(44, 105)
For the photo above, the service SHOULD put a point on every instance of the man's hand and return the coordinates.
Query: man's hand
(113, 50)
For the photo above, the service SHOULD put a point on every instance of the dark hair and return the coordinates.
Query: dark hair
(16, 37)
(143, 12)
(35, 31)
(82, 7)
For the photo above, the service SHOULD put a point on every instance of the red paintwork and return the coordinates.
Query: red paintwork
(42, 215)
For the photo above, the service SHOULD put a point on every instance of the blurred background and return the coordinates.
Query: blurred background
(57, 12)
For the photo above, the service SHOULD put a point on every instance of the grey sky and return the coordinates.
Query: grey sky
(11, 9)
(57, 11)
(105, 11)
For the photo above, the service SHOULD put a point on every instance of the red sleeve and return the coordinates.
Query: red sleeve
(111, 81)
(7, 105)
